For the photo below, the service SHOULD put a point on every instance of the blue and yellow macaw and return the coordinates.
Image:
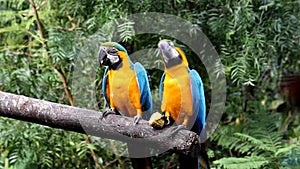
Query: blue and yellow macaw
(126, 89)
(125, 85)
(182, 97)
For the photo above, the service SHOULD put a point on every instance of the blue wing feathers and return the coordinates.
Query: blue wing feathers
(161, 86)
(104, 83)
(144, 87)
(199, 106)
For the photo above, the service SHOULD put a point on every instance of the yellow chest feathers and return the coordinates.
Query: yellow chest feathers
(177, 96)
(124, 91)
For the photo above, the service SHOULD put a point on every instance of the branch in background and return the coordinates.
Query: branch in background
(65, 84)
(73, 23)
(21, 53)
(37, 8)
(40, 27)
(87, 121)
(63, 78)
(71, 100)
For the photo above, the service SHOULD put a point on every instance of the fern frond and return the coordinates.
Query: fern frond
(255, 143)
(291, 160)
(126, 30)
(224, 137)
(248, 162)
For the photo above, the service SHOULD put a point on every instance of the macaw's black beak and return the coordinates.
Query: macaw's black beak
(102, 58)
(166, 50)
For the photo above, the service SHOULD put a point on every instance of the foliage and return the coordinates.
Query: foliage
(247, 162)
(257, 41)
(264, 147)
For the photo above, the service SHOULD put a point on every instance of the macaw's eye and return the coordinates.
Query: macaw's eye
(113, 51)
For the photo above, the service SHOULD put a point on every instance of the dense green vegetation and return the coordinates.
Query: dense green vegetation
(257, 41)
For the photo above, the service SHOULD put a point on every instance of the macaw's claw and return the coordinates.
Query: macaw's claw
(108, 112)
(176, 129)
(136, 119)
(168, 121)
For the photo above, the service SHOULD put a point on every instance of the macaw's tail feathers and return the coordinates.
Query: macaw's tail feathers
(203, 158)
(186, 161)
(141, 163)
(194, 162)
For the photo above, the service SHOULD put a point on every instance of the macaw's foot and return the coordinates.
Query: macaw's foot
(136, 119)
(108, 112)
(176, 129)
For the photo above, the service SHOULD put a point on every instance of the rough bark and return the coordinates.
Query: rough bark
(89, 122)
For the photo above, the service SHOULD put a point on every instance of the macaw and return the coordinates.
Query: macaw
(125, 85)
(126, 90)
(182, 97)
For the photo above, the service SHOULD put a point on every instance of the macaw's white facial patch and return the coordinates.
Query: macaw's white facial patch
(170, 53)
(113, 58)
(108, 53)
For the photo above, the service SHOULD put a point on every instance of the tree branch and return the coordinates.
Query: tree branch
(89, 122)
(39, 24)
